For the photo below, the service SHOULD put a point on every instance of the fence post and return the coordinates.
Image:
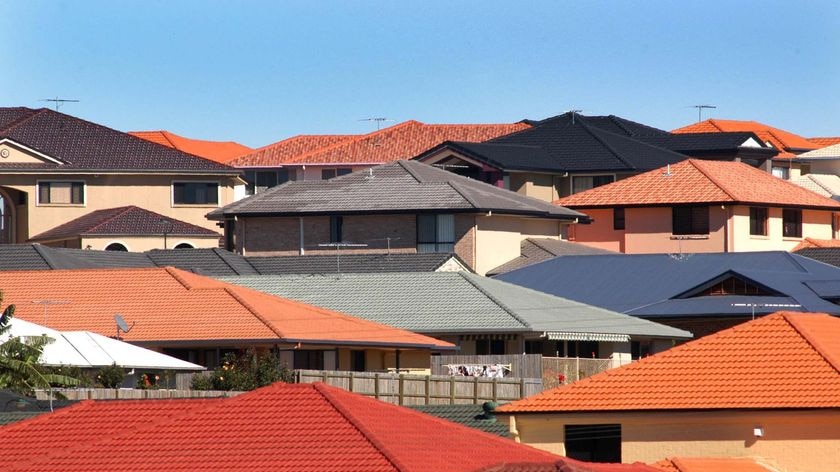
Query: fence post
(451, 390)
(401, 389)
(522, 387)
(324, 376)
(428, 389)
(376, 386)
(495, 385)
(475, 390)
(351, 382)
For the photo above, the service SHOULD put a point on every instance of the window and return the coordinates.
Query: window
(791, 223)
(586, 182)
(195, 193)
(618, 218)
(184, 246)
(327, 174)
(593, 442)
(357, 361)
(781, 172)
(304, 359)
(262, 180)
(336, 224)
(489, 346)
(758, 221)
(734, 286)
(116, 247)
(435, 233)
(690, 220)
(61, 193)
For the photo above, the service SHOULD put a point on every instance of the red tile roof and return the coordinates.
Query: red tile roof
(710, 464)
(402, 141)
(570, 465)
(173, 305)
(285, 427)
(784, 360)
(816, 243)
(782, 140)
(825, 141)
(218, 151)
(123, 221)
(698, 181)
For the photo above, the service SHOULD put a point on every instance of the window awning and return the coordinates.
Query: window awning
(576, 336)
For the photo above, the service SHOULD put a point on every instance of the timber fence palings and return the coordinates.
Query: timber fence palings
(526, 366)
(131, 393)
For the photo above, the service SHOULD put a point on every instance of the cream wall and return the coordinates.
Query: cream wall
(498, 238)
(815, 224)
(795, 441)
(819, 166)
(539, 186)
(102, 191)
(649, 230)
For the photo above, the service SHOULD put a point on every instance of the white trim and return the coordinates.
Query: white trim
(13, 143)
(116, 241)
(38, 193)
(202, 205)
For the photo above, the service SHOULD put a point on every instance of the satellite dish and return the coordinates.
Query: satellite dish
(122, 325)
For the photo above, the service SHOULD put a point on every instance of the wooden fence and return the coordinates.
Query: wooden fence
(405, 389)
(526, 366)
(130, 393)
(565, 370)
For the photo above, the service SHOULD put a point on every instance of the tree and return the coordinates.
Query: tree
(20, 368)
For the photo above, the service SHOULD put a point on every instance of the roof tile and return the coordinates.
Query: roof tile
(217, 151)
(782, 140)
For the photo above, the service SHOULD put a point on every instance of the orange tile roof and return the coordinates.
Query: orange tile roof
(218, 151)
(401, 141)
(812, 243)
(282, 427)
(784, 360)
(782, 140)
(710, 464)
(173, 305)
(825, 141)
(699, 181)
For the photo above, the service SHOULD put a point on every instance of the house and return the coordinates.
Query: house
(570, 153)
(401, 207)
(702, 206)
(826, 251)
(712, 464)
(700, 293)
(478, 314)
(825, 160)
(827, 185)
(321, 157)
(766, 389)
(788, 144)
(199, 319)
(825, 140)
(533, 250)
(56, 169)
(216, 151)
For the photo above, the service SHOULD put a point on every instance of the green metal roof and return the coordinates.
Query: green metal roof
(467, 415)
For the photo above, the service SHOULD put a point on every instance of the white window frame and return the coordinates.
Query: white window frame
(60, 181)
(195, 205)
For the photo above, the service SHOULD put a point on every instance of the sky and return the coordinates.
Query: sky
(259, 72)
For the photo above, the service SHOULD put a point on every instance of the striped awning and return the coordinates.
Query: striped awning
(576, 336)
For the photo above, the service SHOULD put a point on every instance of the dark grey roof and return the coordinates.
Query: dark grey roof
(213, 261)
(533, 250)
(82, 145)
(652, 285)
(467, 415)
(398, 187)
(453, 302)
(352, 263)
(613, 124)
(14, 407)
(826, 255)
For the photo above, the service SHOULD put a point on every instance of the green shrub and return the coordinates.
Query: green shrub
(111, 376)
(244, 371)
(201, 381)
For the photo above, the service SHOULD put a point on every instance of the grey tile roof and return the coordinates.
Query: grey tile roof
(827, 185)
(467, 415)
(351, 263)
(452, 302)
(122, 221)
(533, 250)
(652, 285)
(15, 416)
(826, 255)
(401, 186)
(83, 145)
(203, 261)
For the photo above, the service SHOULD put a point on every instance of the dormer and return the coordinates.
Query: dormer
(729, 283)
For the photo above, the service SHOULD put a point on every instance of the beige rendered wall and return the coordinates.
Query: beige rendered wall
(649, 230)
(600, 232)
(151, 192)
(815, 224)
(793, 441)
(498, 238)
(539, 186)
(147, 243)
(825, 167)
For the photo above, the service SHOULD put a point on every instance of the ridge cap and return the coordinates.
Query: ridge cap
(711, 178)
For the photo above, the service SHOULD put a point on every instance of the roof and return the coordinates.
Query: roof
(788, 143)
(301, 427)
(711, 464)
(663, 285)
(825, 141)
(827, 255)
(695, 181)
(568, 465)
(827, 185)
(467, 415)
(816, 243)
(353, 263)
(170, 305)
(831, 152)
(784, 360)
(91, 350)
(402, 186)
(122, 221)
(401, 141)
(217, 151)
(533, 250)
(455, 302)
(82, 145)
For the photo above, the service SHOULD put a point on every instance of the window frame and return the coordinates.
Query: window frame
(336, 228)
(336, 171)
(204, 205)
(40, 182)
(693, 221)
(252, 187)
(437, 242)
(619, 223)
(764, 221)
(797, 222)
(593, 176)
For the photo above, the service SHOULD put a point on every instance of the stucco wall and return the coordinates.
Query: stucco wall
(498, 238)
(600, 232)
(815, 224)
(795, 441)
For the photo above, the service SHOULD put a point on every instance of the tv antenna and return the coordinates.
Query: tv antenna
(765, 305)
(700, 110)
(378, 120)
(122, 325)
(58, 101)
(574, 112)
(338, 247)
(47, 303)
(388, 241)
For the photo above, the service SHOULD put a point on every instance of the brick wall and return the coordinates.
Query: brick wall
(465, 238)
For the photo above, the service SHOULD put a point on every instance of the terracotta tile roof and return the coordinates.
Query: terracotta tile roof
(570, 465)
(825, 141)
(304, 427)
(173, 305)
(699, 181)
(711, 464)
(817, 243)
(218, 151)
(784, 360)
(122, 221)
(401, 141)
(786, 142)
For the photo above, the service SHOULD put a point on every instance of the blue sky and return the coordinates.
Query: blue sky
(258, 72)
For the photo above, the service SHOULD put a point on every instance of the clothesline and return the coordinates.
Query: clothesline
(478, 370)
